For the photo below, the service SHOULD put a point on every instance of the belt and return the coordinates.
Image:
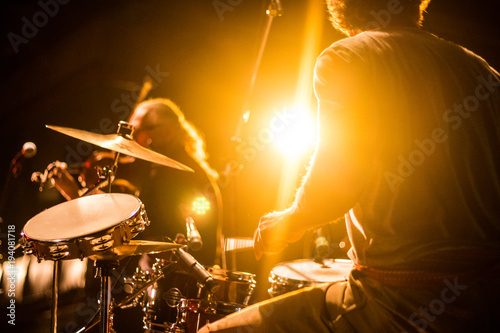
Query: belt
(423, 273)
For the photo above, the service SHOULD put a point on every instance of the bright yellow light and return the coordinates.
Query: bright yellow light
(246, 116)
(298, 136)
(201, 205)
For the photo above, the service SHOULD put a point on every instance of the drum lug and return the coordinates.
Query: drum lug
(59, 255)
(144, 217)
(58, 251)
(26, 245)
(100, 240)
(28, 249)
(103, 243)
(103, 247)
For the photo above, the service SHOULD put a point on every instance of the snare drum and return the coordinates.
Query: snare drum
(290, 276)
(234, 287)
(84, 227)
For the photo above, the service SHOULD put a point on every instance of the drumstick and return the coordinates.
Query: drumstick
(238, 243)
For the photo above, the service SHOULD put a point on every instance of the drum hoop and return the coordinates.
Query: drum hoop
(92, 234)
(279, 279)
(241, 277)
(96, 234)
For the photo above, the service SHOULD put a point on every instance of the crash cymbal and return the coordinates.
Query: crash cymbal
(135, 247)
(121, 144)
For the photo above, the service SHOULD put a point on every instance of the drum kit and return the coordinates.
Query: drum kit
(178, 294)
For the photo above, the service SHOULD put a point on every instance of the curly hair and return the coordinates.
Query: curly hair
(354, 16)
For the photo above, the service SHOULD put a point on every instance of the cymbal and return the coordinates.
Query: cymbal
(135, 247)
(121, 144)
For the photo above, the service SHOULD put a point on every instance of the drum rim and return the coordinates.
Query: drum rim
(26, 229)
(279, 279)
(227, 274)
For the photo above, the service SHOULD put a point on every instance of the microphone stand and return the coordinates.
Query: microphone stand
(13, 173)
(274, 9)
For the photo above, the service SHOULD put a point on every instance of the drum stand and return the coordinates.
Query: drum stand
(105, 267)
(55, 297)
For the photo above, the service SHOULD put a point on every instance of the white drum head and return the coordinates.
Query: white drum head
(82, 217)
(308, 270)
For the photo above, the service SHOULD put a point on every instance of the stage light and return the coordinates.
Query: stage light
(201, 206)
(298, 136)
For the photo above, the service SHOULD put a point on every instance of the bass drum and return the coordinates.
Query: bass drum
(177, 303)
(293, 275)
(164, 298)
(85, 227)
(195, 313)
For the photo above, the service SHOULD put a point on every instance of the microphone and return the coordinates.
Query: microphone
(28, 151)
(321, 246)
(275, 8)
(193, 235)
(180, 239)
(279, 9)
(193, 267)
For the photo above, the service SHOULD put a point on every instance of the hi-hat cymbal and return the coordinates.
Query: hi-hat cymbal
(121, 144)
(135, 247)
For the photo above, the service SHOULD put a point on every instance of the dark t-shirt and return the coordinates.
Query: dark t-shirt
(431, 110)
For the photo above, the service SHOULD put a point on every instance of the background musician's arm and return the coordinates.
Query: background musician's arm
(62, 180)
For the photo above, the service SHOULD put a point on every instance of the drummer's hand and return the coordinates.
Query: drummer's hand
(63, 181)
(273, 234)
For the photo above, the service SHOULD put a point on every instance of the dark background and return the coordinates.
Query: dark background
(81, 64)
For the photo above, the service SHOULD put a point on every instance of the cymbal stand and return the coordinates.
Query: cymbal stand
(167, 270)
(55, 297)
(163, 273)
(105, 267)
(273, 10)
(108, 173)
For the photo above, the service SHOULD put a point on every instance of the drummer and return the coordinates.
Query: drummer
(170, 196)
(408, 150)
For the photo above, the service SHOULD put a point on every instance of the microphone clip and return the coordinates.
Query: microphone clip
(274, 8)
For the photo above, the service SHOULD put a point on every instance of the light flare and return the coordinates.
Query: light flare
(298, 136)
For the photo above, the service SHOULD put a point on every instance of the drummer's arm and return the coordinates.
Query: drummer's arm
(64, 182)
(338, 169)
(332, 185)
